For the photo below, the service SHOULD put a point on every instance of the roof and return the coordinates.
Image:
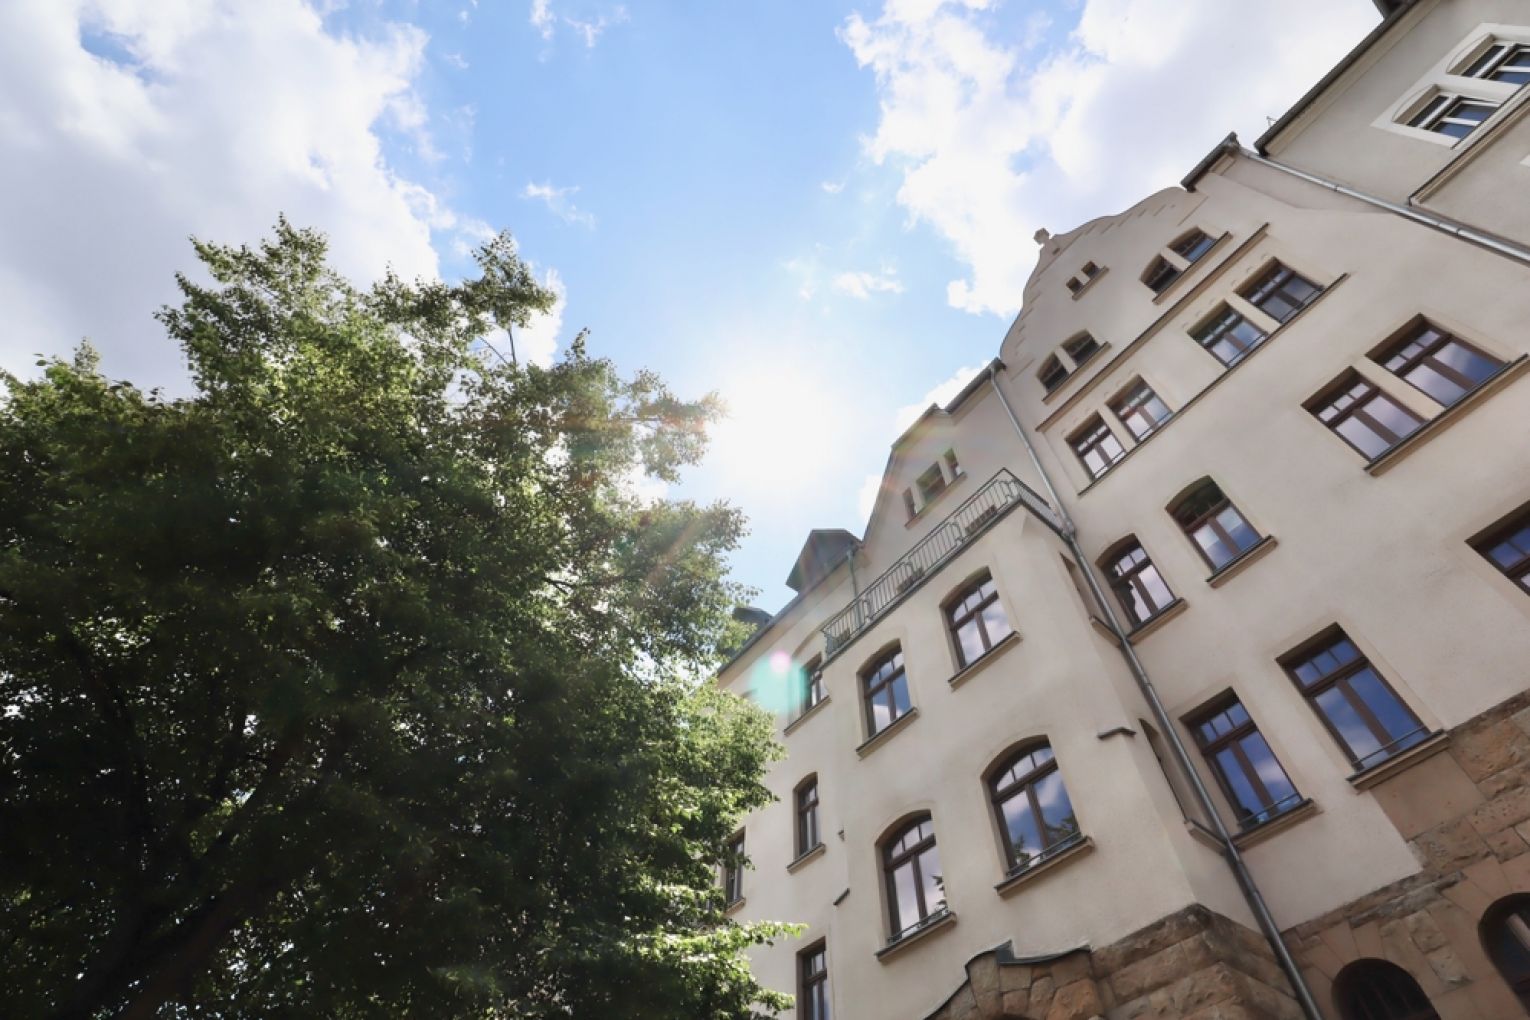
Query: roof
(1392, 11)
(824, 550)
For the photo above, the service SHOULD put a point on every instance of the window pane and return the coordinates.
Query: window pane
(881, 710)
(1246, 800)
(1022, 825)
(1359, 434)
(899, 691)
(996, 622)
(1391, 416)
(1428, 379)
(1242, 533)
(969, 641)
(1346, 722)
(906, 900)
(1056, 808)
(1217, 551)
(1394, 716)
(1276, 783)
(934, 881)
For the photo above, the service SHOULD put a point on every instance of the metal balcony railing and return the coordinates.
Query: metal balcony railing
(1000, 494)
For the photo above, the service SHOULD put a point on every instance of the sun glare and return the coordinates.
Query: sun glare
(779, 432)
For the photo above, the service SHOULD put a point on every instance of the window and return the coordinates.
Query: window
(1032, 807)
(908, 503)
(932, 483)
(1280, 293)
(1507, 547)
(812, 690)
(1193, 245)
(733, 871)
(977, 621)
(1229, 336)
(952, 465)
(1378, 990)
(1159, 274)
(1081, 279)
(1219, 531)
(886, 691)
(1140, 409)
(808, 837)
(916, 889)
(1363, 416)
(1136, 582)
(1453, 115)
(1443, 366)
(1097, 447)
(813, 983)
(1052, 373)
(1081, 348)
(1255, 783)
(1503, 61)
(1505, 932)
(1365, 716)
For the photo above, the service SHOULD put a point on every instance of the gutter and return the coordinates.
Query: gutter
(1230, 852)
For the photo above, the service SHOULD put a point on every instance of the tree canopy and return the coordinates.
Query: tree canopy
(358, 683)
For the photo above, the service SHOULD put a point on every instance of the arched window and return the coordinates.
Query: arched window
(1219, 531)
(1034, 813)
(886, 692)
(977, 621)
(1137, 583)
(916, 889)
(1053, 373)
(1505, 932)
(1378, 990)
(1081, 348)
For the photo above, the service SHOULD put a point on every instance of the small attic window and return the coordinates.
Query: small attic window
(952, 466)
(1159, 274)
(1080, 348)
(1080, 280)
(1052, 373)
(908, 503)
(932, 483)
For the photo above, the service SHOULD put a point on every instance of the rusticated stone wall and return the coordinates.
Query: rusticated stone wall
(1466, 813)
(1191, 965)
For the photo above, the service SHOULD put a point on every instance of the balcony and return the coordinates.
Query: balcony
(982, 510)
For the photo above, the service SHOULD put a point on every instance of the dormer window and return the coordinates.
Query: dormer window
(1193, 245)
(1080, 348)
(1172, 262)
(1503, 61)
(1453, 115)
(932, 483)
(1160, 273)
(1053, 373)
(1079, 280)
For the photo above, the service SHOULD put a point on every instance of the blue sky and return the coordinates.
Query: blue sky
(822, 210)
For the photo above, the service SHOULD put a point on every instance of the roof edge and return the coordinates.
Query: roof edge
(1226, 147)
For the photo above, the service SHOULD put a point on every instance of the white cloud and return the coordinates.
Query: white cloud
(588, 29)
(538, 342)
(863, 284)
(542, 18)
(994, 139)
(206, 119)
(559, 203)
(833, 187)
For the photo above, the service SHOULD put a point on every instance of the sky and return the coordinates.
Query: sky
(822, 210)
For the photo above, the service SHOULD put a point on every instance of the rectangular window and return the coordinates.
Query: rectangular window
(1280, 293)
(1052, 374)
(1250, 775)
(1445, 367)
(1159, 274)
(1363, 416)
(932, 483)
(886, 692)
(908, 502)
(812, 684)
(807, 817)
(977, 621)
(952, 465)
(1453, 115)
(1229, 336)
(813, 983)
(1080, 348)
(733, 871)
(1507, 547)
(1136, 582)
(1097, 447)
(1219, 531)
(1140, 409)
(1365, 716)
(1505, 62)
(1193, 245)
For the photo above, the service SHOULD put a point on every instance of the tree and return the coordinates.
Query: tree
(357, 683)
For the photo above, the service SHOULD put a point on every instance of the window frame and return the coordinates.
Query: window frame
(1271, 282)
(1494, 928)
(912, 856)
(1345, 386)
(931, 483)
(1410, 996)
(1441, 110)
(1025, 784)
(811, 691)
(1127, 404)
(1197, 241)
(1340, 679)
(1221, 325)
(954, 623)
(1233, 740)
(1427, 357)
(733, 871)
(1486, 64)
(1052, 373)
(872, 684)
(806, 804)
(1208, 518)
(1505, 531)
(1093, 435)
(1080, 348)
(1117, 579)
(811, 980)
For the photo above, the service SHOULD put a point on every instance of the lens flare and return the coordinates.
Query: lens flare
(774, 681)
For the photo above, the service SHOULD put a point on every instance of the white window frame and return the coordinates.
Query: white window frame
(1447, 81)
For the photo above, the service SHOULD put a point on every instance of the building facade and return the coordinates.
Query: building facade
(1182, 669)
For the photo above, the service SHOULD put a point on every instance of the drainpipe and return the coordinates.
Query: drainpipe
(1182, 758)
(1502, 246)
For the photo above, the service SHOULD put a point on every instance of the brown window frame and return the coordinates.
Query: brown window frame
(1052, 373)
(1234, 740)
(1361, 394)
(1222, 325)
(1376, 989)
(914, 857)
(1513, 531)
(1272, 283)
(1081, 348)
(813, 691)
(1341, 678)
(931, 483)
(1208, 518)
(1197, 241)
(805, 800)
(1160, 274)
(1024, 784)
(1397, 359)
(1509, 951)
(1124, 582)
(954, 622)
(733, 870)
(874, 683)
(813, 982)
(1096, 435)
(1128, 406)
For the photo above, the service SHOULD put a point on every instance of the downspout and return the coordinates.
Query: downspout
(1502, 246)
(1182, 758)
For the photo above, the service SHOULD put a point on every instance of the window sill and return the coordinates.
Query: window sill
(1104, 629)
(1078, 368)
(976, 665)
(887, 732)
(804, 717)
(807, 857)
(1298, 812)
(1381, 772)
(935, 500)
(1236, 566)
(939, 922)
(1073, 851)
(1440, 422)
(1089, 283)
(1163, 616)
(735, 906)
